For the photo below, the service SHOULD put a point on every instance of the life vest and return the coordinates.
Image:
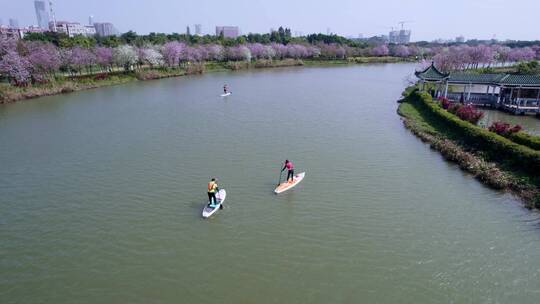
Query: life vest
(212, 187)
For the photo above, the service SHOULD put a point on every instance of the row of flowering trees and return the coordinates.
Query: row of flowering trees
(25, 61)
(461, 57)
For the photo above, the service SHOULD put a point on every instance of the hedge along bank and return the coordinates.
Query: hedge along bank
(495, 146)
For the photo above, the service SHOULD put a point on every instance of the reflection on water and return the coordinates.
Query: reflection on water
(530, 123)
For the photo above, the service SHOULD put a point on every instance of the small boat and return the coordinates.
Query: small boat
(209, 210)
(226, 94)
(286, 185)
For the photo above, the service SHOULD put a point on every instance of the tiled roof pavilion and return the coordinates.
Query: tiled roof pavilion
(432, 74)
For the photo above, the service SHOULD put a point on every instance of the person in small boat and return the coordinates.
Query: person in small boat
(290, 173)
(212, 190)
(225, 89)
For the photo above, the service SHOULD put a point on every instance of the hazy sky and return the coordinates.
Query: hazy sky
(431, 19)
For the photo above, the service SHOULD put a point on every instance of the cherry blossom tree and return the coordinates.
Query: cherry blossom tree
(171, 52)
(44, 57)
(401, 51)
(257, 50)
(104, 56)
(15, 67)
(280, 50)
(81, 57)
(521, 54)
(125, 56)
(151, 57)
(380, 50)
(238, 53)
(7, 44)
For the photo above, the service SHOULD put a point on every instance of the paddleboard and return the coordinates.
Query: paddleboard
(286, 186)
(226, 94)
(208, 211)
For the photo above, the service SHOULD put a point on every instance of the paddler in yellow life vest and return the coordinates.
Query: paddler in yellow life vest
(212, 189)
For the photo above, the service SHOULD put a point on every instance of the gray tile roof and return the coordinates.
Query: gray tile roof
(431, 73)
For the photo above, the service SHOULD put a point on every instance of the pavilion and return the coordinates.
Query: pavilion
(518, 94)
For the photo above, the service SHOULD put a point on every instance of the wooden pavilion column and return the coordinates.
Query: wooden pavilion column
(446, 90)
(469, 94)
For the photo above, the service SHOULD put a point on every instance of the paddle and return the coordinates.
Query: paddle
(280, 173)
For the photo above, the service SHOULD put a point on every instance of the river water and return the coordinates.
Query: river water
(101, 195)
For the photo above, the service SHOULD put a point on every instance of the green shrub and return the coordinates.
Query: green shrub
(525, 139)
(495, 146)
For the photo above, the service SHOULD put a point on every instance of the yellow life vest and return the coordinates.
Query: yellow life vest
(212, 187)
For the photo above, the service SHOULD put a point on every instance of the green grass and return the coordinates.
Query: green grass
(410, 112)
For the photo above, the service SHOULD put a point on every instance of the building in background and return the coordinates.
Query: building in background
(104, 29)
(73, 29)
(19, 33)
(188, 31)
(198, 29)
(13, 23)
(41, 14)
(399, 37)
(91, 20)
(52, 16)
(228, 31)
(460, 39)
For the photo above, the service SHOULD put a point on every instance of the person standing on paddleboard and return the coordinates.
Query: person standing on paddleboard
(212, 189)
(290, 167)
(225, 89)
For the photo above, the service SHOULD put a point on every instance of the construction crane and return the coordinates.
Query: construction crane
(403, 23)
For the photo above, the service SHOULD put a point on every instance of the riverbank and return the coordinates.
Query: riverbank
(62, 84)
(474, 149)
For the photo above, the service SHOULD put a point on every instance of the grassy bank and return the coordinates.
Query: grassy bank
(63, 84)
(492, 159)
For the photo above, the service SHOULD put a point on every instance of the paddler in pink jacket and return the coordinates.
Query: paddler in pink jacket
(290, 173)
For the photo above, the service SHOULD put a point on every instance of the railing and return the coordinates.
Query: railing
(475, 98)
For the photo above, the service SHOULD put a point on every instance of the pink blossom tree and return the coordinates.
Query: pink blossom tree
(104, 57)
(401, 51)
(280, 50)
(16, 67)
(44, 57)
(215, 52)
(257, 50)
(171, 52)
(380, 50)
(81, 57)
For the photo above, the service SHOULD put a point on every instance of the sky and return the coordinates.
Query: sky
(428, 19)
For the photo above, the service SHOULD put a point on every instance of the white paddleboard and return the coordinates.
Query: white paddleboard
(286, 186)
(208, 211)
(226, 94)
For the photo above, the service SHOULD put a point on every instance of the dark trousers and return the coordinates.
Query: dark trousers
(212, 196)
(290, 174)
